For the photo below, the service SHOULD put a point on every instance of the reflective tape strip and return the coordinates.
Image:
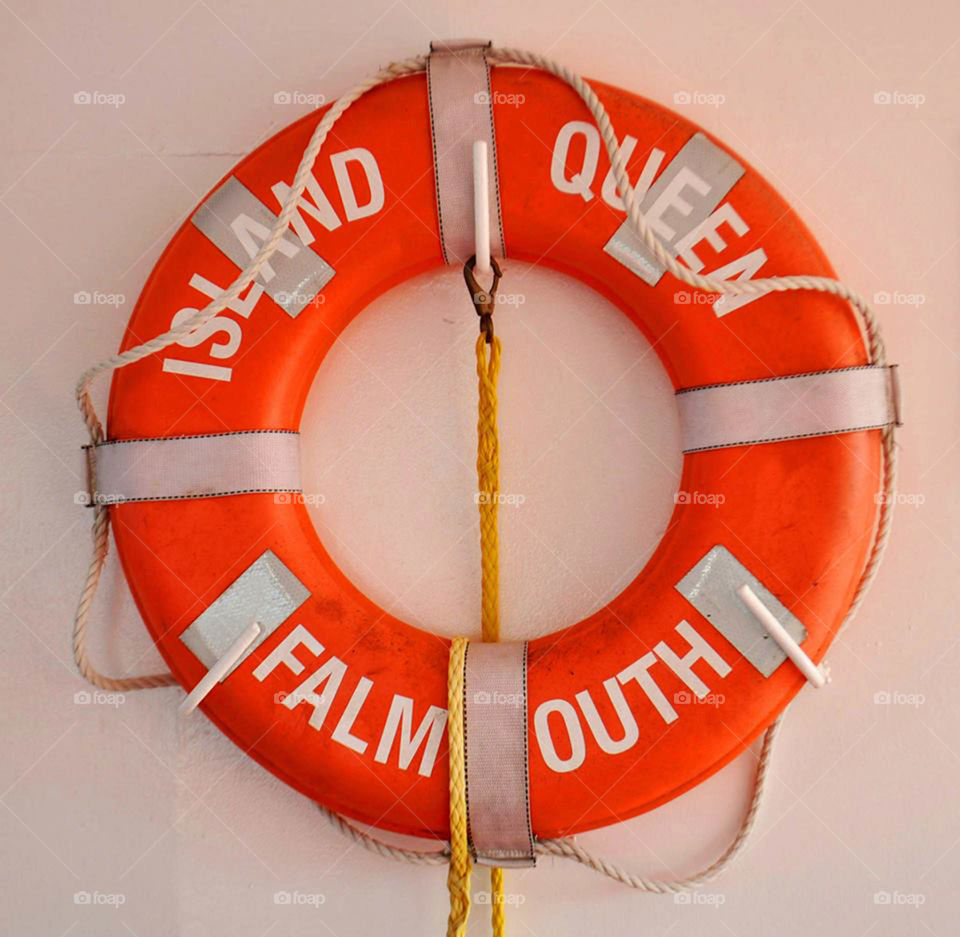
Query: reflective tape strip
(818, 404)
(266, 592)
(461, 112)
(210, 466)
(237, 222)
(695, 182)
(498, 780)
(711, 588)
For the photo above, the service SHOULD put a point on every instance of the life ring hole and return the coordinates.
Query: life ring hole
(590, 452)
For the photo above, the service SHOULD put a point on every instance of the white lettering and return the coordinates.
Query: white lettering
(638, 671)
(744, 268)
(651, 167)
(629, 725)
(708, 230)
(352, 209)
(211, 327)
(241, 306)
(320, 208)
(283, 653)
(330, 672)
(672, 198)
(683, 666)
(342, 733)
(251, 234)
(541, 724)
(580, 182)
(400, 718)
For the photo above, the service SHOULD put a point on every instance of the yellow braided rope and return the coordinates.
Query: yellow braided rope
(497, 921)
(458, 875)
(488, 486)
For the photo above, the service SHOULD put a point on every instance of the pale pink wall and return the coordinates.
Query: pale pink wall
(128, 800)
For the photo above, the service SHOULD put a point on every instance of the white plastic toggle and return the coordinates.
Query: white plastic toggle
(481, 207)
(221, 667)
(779, 634)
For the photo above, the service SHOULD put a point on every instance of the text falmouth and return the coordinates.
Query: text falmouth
(565, 733)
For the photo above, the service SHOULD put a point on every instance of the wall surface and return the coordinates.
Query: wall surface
(849, 108)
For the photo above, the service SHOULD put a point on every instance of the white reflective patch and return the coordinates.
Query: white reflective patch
(237, 222)
(695, 182)
(266, 592)
(711, 588)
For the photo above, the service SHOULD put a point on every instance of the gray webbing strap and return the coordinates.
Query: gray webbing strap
(818, 404)
(208, 466)
(497, 763)
(461, 112)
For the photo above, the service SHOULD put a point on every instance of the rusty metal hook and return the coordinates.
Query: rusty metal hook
(484, 300)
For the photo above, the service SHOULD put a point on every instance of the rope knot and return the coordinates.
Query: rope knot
(484, 300)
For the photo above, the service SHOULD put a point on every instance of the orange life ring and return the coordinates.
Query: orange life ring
(800, 513)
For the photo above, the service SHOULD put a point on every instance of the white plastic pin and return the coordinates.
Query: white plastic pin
(807, 667)
(221, 667)
(481, 207)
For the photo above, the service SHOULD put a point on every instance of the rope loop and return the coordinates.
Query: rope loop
(484, 300)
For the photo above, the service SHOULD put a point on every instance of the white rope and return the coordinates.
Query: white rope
(101, 517)
(866, 319)
(570, 849)
(618, 161)
(378, 846)
(564, 848)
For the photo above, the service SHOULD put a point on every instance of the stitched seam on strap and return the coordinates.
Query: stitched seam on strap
(436, 160)
(493, 155)
(239, 432)
(466, 757)
(212, 494)
(526, 754)
(756, 442)
(785, 377)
